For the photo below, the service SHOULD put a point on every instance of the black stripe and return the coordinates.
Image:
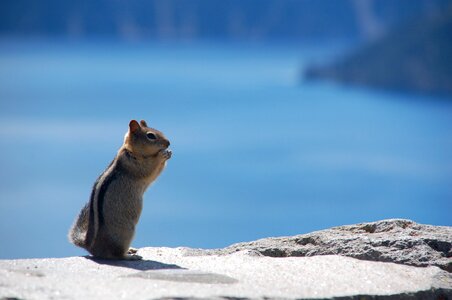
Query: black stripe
(91, 228)
(101, 197)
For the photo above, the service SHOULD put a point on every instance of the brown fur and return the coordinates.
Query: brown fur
(106, 224)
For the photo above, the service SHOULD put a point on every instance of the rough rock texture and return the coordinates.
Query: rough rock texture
(397, 240)
(170, 273)
(243, 271)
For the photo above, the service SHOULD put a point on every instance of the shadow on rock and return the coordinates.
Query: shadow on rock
(142, 265)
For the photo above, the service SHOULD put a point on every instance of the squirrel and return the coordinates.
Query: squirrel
(106, 224)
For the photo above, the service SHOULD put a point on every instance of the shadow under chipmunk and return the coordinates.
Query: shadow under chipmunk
(141, 265)
(155, 270)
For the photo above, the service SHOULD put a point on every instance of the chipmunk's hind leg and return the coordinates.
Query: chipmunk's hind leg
(120, 253)
(106, 248)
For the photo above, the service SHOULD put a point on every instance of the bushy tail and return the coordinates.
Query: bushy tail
(77, 233)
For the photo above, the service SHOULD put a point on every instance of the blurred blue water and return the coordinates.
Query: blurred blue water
(256, 153)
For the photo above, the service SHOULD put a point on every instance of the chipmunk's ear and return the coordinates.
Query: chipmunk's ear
(134, 126)
(143, 123)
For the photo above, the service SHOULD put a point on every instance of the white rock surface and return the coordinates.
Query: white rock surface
(394, 240)
(169, 273)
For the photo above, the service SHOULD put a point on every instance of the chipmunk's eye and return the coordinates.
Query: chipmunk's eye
(151, 136)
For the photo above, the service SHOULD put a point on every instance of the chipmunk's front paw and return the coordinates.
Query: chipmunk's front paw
(166, 154)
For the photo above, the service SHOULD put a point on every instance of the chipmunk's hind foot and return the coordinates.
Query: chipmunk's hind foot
(132, 250)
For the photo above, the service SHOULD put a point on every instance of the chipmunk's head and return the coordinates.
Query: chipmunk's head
(144, 141)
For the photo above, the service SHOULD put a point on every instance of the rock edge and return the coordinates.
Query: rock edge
(270, 268)
(394, 240)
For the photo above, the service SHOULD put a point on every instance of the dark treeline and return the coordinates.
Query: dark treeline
(191, 19)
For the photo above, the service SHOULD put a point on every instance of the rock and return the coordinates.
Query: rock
(170, 273)
(397, 240)
(247, 270)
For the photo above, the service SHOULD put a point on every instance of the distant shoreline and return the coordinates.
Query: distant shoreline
(413, 58)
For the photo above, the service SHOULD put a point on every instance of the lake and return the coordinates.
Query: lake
(257, 151)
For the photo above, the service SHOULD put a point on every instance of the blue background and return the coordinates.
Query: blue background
(258, 150)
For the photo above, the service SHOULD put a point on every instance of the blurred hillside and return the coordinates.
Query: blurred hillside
(232, 19)
(415, 57)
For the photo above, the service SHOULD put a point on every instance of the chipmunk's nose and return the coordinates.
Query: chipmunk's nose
(167, 144)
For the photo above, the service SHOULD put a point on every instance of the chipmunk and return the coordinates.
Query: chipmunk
(106, 224)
